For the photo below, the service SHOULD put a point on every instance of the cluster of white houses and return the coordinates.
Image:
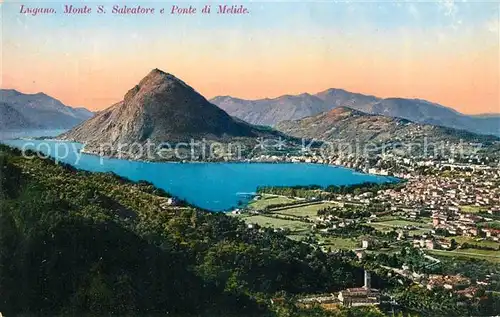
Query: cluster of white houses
(464, 225)
(458, 204)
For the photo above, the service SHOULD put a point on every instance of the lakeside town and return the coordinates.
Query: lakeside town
(442, 210)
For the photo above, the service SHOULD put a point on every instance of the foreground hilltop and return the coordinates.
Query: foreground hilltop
(162, 108)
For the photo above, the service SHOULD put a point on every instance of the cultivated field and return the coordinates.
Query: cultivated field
(480, 242)
(339, 243)
(264, 221)
(269, 200)
(492, 256)
(395, 224)
(472, 209)
(309, 211)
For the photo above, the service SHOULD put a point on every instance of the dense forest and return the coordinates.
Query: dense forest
(74, 242)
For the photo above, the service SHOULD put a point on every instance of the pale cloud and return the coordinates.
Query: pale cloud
(493, 25)
(414, 11)
(21, 23)
(449, 7)
(456, 24)
(451, 11)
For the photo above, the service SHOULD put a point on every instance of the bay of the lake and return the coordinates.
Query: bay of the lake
(212, 186)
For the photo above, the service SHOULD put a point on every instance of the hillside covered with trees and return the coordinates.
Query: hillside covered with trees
(74, 242)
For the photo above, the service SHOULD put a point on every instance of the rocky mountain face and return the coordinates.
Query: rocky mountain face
(422, 111)
(11, 119)
(272, 111)
(346, 126)
(38, 111)
(339, 97)
(161, 108)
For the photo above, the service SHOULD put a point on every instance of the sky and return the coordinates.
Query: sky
(442, 51)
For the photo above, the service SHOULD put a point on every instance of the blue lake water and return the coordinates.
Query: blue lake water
(15, 134)
(213, 186)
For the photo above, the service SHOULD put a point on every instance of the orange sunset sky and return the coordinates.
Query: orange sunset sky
(443, 51)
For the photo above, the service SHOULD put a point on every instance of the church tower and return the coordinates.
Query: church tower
(368, 280)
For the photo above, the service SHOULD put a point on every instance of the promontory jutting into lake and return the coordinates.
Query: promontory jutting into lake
(164, 111)
(212, 186)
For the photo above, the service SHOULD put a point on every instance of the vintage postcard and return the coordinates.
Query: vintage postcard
(250, 158)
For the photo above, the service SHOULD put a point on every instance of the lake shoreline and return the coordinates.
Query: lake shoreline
(209, 185)
(244, 161)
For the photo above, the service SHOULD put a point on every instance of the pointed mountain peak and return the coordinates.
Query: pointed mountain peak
(332, 90)
(156, 72)
(160, 108)
(157, 81)
(305, 94)
(158, 76)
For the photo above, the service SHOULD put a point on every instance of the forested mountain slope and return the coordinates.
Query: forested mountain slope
(73, 242)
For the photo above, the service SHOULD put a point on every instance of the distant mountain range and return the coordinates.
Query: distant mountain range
(162, 108)
(37, 111)
(271, 111)
(288, 107)
(345, 125)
